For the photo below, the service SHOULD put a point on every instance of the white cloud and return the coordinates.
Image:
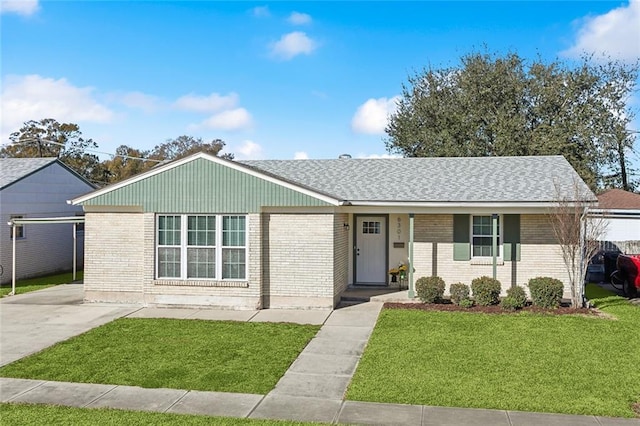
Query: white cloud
(33, 97)
(297, 18)
(249, 150)
(233, 119)
(261, 12)
(293, 44)
(139, 100)
(300, 155)
(21, 7)
(213, 102)
(372, 116)
(614, 34)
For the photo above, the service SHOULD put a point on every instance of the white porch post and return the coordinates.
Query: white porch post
(412, 293)
(13, 260)
(75, 249)
(494, 245)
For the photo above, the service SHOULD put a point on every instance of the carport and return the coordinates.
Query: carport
(15, 222)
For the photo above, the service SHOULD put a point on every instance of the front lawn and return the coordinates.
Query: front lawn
(221, 356)
(33, 284)
(36, 415)
(527, 362)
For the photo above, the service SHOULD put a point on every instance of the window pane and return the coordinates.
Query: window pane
(168, 262)
(168, 230)
(201, 230)
(201, 263)
(233, 263)
(233, 231)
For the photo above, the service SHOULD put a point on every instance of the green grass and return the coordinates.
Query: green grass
(529, 362)
(202, 355)
(36, 415)
(33, 284)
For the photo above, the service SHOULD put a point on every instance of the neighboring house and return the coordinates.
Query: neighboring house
(36, 188)
(620, 210)
(280, 234)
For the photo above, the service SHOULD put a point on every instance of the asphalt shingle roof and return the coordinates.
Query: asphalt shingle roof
(442, 179)
(619, 199)
(14, 169)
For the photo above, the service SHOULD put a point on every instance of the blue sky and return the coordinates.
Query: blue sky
(272, 79)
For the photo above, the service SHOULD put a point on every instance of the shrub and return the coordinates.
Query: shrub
(466, 303)
(430, 289)
(516, 299)
(509, 304)
(546, 292)
(459, 292)
(486, 291)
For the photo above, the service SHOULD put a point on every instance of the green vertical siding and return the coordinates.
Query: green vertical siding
(204, 186)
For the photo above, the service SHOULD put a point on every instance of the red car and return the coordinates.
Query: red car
(628, 274)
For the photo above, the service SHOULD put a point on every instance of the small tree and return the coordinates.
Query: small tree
(577, 237)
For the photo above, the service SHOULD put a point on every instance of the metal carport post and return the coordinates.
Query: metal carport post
(15, 222)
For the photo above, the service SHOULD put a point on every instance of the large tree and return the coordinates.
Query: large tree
(130, 161)
(49, 138)
(503, 105)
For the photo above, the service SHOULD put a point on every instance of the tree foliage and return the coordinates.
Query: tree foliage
(130, 161)
(501, 105)
(49, 138)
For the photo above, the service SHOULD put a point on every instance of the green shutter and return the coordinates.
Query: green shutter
(511, 246)
(461, 242)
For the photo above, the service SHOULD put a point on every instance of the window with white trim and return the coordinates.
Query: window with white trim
(19, 228)
(482, 237)
(193, 247)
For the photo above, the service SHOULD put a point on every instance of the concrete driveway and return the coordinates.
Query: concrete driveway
(33, 321)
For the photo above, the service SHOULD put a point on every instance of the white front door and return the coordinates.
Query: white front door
(370, 250)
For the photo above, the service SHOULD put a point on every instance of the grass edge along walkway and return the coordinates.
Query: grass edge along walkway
(37, 414)
(523, 362)
(40, 283)
(224, 356)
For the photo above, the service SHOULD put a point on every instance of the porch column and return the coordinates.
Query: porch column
(494, 245)
(13, 260)
(75, 249)
(412, 293)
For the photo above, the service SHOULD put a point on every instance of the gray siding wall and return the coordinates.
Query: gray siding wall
(45, 248)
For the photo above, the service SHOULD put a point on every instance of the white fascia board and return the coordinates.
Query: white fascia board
(466, 204)
(449, 208)
(226, 163)
(43, 220)
(621, 213)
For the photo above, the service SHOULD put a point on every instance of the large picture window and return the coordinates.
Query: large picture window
(482, 236)
(191, 247)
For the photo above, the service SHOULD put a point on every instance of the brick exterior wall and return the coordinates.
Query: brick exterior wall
(340, 255)
(298, 260)
(120, 267)
(114, 261)
(540, 256)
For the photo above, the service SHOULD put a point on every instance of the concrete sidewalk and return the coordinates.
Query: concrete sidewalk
(250, 406)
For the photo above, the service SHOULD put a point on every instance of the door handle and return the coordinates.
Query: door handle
(357, 251)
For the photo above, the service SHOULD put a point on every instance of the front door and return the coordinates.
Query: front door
(370, 250)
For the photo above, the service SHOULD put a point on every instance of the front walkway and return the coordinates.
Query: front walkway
(311, 390)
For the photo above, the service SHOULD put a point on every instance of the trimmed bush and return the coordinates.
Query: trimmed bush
(546, 292)
(486, 291)
(459, 292)
(430, 289)
(466, 303)
(516, 299)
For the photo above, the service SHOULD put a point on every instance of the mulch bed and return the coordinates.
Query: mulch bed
(495, 309)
